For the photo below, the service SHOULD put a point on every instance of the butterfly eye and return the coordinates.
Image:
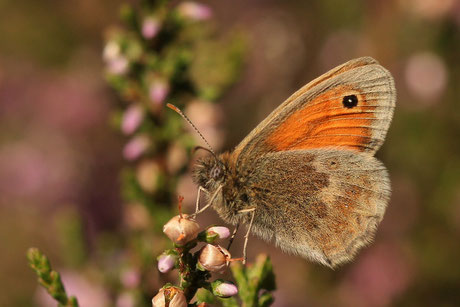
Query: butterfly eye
(215, 172)
(350, 101)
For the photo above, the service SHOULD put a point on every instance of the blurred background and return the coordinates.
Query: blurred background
(61, 158)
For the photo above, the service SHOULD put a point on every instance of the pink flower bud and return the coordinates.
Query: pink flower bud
(194, 11)
(150, 28)
(171, 296)
(214, 258)
(221, 232)
(132, 118)
(181, 230)
(148, 173)
(126, 299)
(118, 66)
(116, 63)
(166, 263)
(136, 147)
(225, 289)
(176, 157)
(111, 51)
(158, 91)
(130, 278)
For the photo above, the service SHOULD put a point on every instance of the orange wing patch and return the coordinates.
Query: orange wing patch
(326, 122)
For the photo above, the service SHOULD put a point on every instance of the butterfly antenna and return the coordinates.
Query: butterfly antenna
(177, 110)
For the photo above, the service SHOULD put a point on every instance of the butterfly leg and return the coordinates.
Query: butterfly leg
(210, 201)
(233, 236)
(246, 237)
(198, 197)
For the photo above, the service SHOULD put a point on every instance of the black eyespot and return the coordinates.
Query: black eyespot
(350, 101)
(244, 198)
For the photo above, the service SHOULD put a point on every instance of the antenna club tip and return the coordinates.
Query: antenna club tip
(177, 110)
(173, 107)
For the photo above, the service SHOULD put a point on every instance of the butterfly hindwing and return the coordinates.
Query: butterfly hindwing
(327, 213)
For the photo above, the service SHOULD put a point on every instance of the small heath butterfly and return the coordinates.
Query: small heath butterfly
(306, 177)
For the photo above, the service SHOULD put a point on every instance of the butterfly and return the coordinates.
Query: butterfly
(306, 177)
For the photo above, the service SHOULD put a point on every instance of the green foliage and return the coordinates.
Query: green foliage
(162, 52)
(255, 282)
(180, 60)
(49, 279)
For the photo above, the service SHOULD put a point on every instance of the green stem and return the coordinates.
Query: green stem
(49, 279)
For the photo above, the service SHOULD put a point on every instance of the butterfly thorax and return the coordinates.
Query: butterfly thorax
(213, 172)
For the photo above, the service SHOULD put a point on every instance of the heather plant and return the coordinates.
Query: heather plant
(165, 52)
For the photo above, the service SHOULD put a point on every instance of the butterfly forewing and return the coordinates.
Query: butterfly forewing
(350, 107)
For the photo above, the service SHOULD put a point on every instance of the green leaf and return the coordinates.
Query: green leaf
(49, 279)
(229, 302)
(205, 296)
(266, 299)
(252, 279)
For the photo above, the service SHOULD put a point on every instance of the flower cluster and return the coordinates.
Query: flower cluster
(194, 268)
(164, 52)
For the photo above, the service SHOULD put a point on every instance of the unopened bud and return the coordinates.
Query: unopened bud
(213, 258)
(130, 278)
(150, 27)
(148, 173)
(116, 62)
(194, 11)
(223, 288)
(166, 263)
(132, 118)
(171, 296)
(136, 147)
(126, 299)
(158, 91)
(111, 51)
(181, 230)
(216, 233)
(118, 66)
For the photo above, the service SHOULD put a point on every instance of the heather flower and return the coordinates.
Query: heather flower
(170, 296)
(125, 299)
(117, 64)
(147, 175)
(166, 263)
(224, 288)
(216, 233)
(130, 278)
(181, 229)
(176, 157)
(213, 258)
(158, 91)
(150, 27)
(136, 147)
(111, 51)
(132, 118)
(194, 11)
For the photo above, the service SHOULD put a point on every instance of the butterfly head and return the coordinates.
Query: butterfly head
(210, 172)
